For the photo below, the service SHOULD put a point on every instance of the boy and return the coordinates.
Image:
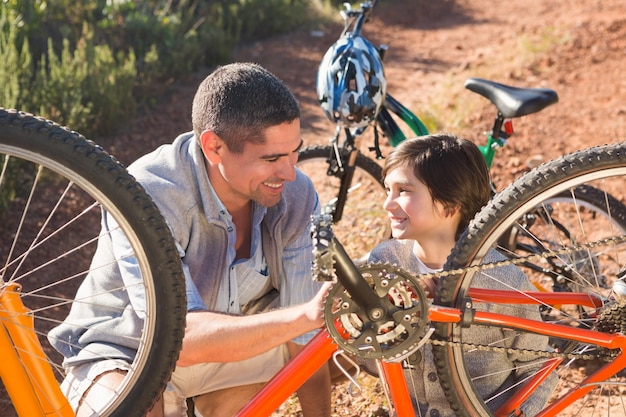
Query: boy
(435, 185)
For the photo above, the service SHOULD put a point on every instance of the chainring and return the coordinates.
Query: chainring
(393, 337)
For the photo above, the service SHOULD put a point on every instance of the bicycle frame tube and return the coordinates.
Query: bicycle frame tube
(287, 381)
(586, 386)
(512, 406)
(397, 388)
(27, 376)
(313, 356)
(346, 177)
(606, 340)
(412, 121)
(496, 138)
(489, 149)
(535, 297)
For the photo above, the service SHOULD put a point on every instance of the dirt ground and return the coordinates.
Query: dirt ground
(576, 47)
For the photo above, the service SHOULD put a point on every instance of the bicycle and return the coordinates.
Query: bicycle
(41, 158)
(350, 183)
(54, 184)
(381, 313)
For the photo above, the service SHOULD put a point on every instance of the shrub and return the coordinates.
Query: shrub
(86, 88)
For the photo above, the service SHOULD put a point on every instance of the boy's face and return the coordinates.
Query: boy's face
(260, 172)
(411, 209)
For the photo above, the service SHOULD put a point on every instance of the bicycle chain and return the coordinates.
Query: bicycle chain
(323, 269)
(610, 315)
(533, 257)
(537, 353)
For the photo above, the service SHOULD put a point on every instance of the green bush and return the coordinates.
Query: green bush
(89, 64)
(15, 66)
(53, 79)
(74, 81)
(85, 87)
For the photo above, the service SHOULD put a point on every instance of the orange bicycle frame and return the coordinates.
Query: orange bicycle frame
(25, 372)
(312, 357)
(606, 340)
(321, 348)
(31, 384)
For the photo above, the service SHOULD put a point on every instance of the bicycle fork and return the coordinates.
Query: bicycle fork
(25, 372)
(343, 168)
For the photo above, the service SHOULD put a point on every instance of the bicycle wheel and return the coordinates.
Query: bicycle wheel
(571, 212)
(53, 187)
(364, 222)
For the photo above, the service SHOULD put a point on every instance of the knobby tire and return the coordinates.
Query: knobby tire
(594, 178)
(50, 258)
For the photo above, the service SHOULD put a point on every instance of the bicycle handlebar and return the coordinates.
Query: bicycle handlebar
(359, 16)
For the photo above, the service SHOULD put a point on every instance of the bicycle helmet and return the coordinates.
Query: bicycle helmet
(351, 83)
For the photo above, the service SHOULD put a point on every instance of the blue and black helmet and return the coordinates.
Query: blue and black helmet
(351, 83)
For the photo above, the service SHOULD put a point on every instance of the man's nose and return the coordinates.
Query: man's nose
(286, 169)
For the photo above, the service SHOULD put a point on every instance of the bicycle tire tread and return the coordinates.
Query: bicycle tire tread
(69, 148)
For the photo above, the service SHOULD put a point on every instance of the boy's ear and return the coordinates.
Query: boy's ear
(212, 146)
(450, 211)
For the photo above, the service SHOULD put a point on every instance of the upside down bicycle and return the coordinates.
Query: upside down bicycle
(54, 184)
(378, 312)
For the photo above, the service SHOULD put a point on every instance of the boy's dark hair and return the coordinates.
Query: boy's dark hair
(239, 101)
(452, 168)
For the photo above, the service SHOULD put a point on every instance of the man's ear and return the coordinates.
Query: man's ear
(212, 146)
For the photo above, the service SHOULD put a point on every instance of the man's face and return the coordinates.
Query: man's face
(260, 172)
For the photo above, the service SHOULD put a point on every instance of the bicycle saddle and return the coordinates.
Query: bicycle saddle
(513, 101)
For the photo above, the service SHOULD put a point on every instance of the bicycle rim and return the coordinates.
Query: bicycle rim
(54, 186)
(364, 223)
(549, 208)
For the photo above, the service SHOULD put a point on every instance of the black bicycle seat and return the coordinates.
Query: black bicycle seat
(513, 101)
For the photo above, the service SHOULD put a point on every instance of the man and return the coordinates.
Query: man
(240, 214)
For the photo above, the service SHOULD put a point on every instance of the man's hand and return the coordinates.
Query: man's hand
(217, 337)
(315, 307)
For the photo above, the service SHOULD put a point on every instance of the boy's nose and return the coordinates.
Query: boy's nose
(389, 202)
